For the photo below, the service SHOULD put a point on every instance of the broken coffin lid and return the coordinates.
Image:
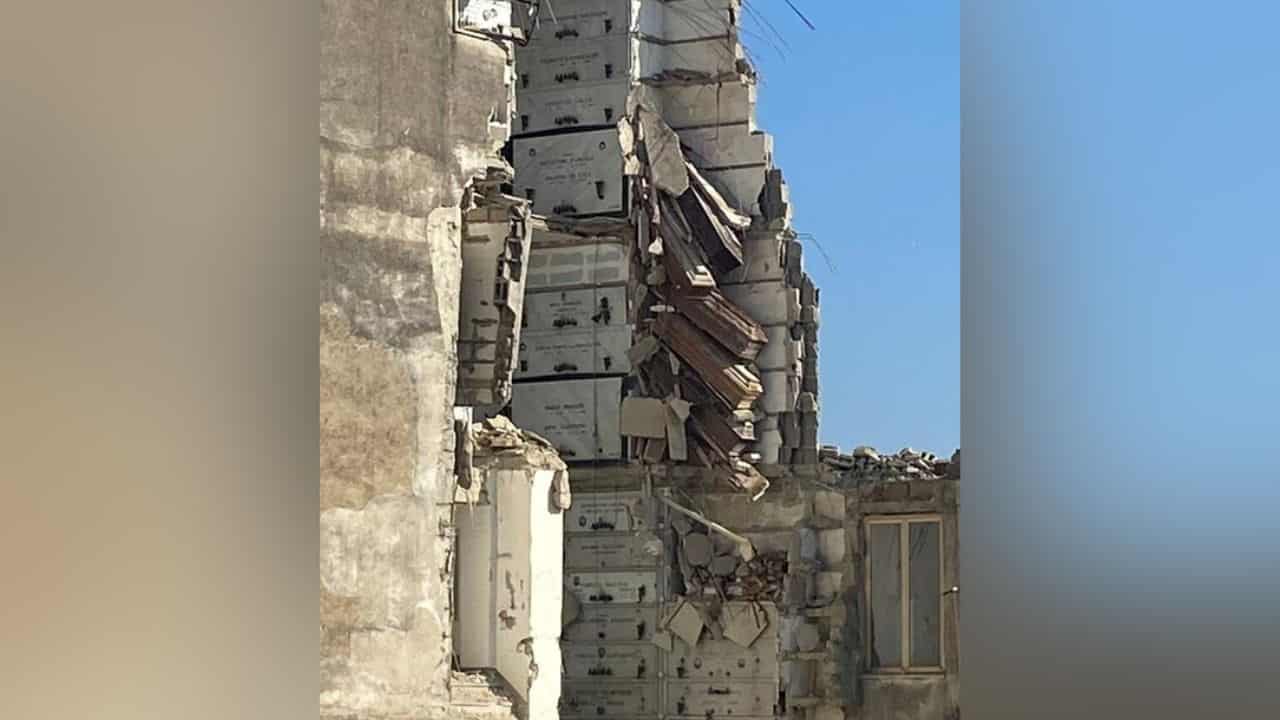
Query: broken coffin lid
(733, 382)
(607, 512)
(560, 260)
(572, 106)
(621, 623)
(626, 587)
(689, 698)
(606, 551)
(575, 309)
(570, 174)
(724, 659)
(609, 699)
(593, 350)
(714, 314)
(610, 662)
(578, 417)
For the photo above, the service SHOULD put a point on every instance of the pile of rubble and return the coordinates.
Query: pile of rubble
(866, 464)
(497, 442)
(716, 565)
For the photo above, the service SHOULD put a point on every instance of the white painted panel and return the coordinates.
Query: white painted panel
(594, 60)
(570, 174)
(596, 699)
(572, 21)
(607, 512)
(555, 266)
(627, 587)
(596, 350)
(546, 567)
(768, 303)
(610, 662)
(610, 550)
(475, 612)
(513, 579)
(721, 699)
(572, 105)
(579, 417)
(583, 308)
(623, 623)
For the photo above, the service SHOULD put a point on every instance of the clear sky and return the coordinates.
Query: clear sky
(865, 114)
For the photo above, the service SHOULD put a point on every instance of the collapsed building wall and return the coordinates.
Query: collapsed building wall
(719, 558)
(415, 106)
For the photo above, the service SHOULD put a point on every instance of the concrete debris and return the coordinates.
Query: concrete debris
(685, 622)
(662, 150)
(866, 464)
(643, 417)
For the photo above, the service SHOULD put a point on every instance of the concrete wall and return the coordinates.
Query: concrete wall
(410, 112)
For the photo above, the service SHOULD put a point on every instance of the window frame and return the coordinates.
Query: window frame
(904, 544)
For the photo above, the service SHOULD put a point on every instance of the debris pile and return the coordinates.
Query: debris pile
(698, 343)
(713, 565)
(866, 464)
(496, 443)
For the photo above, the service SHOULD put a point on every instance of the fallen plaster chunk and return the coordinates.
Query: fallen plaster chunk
(686, 623)
(697, 549)
(643, 417)
(662, 145)
(743, 622)
(663, 639)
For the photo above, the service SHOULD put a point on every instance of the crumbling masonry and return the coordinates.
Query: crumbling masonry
(563, 213)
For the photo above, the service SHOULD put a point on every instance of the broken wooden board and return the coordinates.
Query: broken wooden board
(733, 382)
(716, 315)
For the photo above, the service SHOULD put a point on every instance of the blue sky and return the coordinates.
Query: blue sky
(865, 114)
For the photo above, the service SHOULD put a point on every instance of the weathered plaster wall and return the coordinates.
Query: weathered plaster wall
(410, 112)
(916, 697)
